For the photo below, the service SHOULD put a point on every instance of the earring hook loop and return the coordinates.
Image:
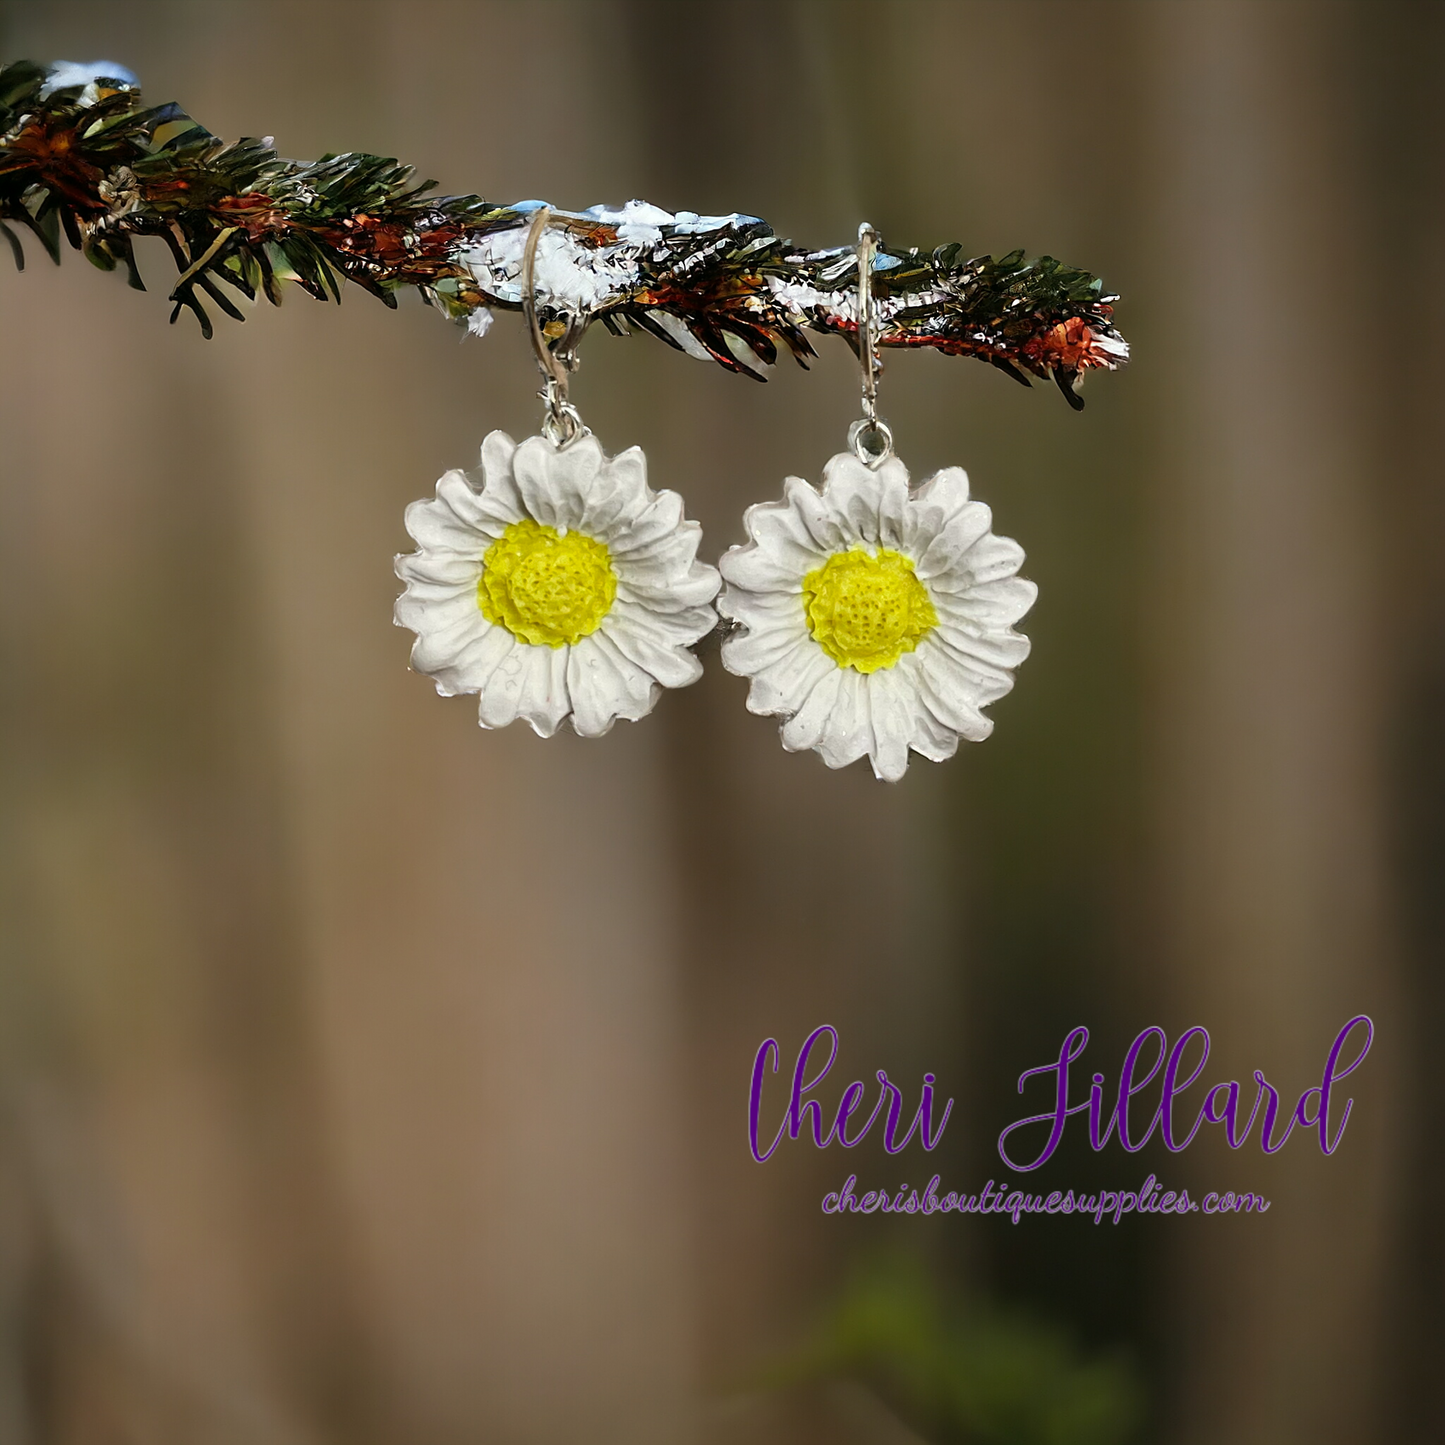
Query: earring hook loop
(563, 424)
(871, 439)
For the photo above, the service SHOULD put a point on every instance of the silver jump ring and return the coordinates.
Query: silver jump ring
(563, 423)
(872, 441)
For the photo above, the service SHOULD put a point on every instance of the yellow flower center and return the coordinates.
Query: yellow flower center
(865, 610)
(545, 587)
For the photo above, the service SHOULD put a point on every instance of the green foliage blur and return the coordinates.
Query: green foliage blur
(967, 1373)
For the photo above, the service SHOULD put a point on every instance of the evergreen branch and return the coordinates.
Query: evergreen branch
(82, 157)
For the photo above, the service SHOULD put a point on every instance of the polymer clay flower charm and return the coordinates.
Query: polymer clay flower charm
(557, 584)
(875, 619)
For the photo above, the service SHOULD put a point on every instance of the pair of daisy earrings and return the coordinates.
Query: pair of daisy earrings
(872, 617)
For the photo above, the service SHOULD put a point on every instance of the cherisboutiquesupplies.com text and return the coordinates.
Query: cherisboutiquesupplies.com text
(1098, 1204)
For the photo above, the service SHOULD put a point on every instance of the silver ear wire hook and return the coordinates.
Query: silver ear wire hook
(871, 439)
(562, 425)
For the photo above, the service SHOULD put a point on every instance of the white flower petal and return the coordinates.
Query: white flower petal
(459, 522)
(932, 739)
(668, 664)
(486, 511)
(867, 502)
(604, 686)
(435, 525)
(783, 551)
(474, 661)
(619, 494)
(658, 521)
(990, 559)
(687, 626)
(526, 682)
(935, 506)
(806, 727)
(986, 681)
(992, 607)
(848, 732)
(892, 703)
(783, 685)
(989, 654)
(434, 574)
(440, 575)
(823, 529)
(555, 482)
(951, 693)
(659, 547)
(696, 589)
(761, 647)
(501, 690)
(451, 660)
(544, 701)
(756, 570)
(428, 609)
(678, 629)
(498, 450)
(954, 545)
(758, 610)
(499, 493)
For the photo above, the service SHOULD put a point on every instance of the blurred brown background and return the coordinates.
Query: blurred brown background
(370, 1078)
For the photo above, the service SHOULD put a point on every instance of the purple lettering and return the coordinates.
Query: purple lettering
(922, 1121)
(1057, 1117)
(1333, 1073)
(1229, 1117)
(926, 1132)
(768, 1048)
(796, 1108)
(847, 1107)
(1128, 1088)
(1172, 1088)
(894, 1095)
(1096, 1109)
(1271, 1109)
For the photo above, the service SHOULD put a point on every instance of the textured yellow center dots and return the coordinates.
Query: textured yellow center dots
(866, 609)
(546, 587)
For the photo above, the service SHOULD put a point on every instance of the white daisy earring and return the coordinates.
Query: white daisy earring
(874, 617)
(555, 582)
